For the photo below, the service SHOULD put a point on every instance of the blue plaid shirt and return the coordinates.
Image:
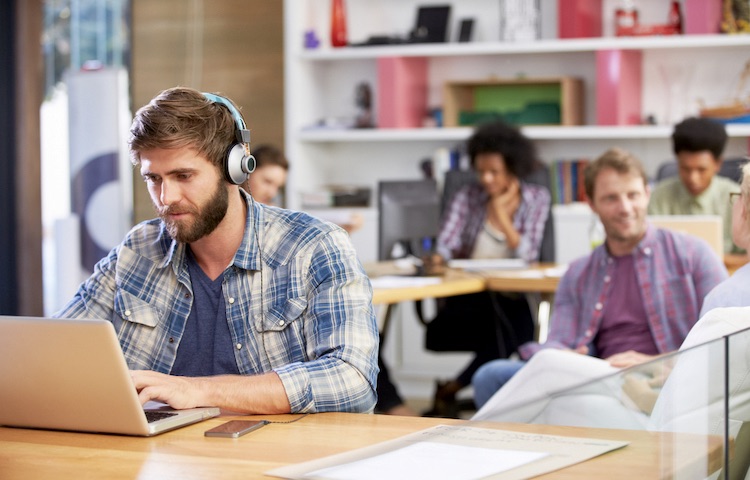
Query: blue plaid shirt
(301, 307)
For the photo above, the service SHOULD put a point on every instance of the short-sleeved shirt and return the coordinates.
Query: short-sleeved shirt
(670, 197)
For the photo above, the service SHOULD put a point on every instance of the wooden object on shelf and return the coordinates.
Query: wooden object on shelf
(618, 87)
(515, 100)
(402, 92)
(579, 18)
(738, 110)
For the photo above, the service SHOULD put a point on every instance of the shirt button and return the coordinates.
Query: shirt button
(607, 279)
(599, 306)
(231, 299)
(647, 250)
(588, 333)
(239, 346)
(127, 313)
(281, 323)
(171, 340)
(187, 295)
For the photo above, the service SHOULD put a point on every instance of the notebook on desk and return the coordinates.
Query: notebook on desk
(71, 375)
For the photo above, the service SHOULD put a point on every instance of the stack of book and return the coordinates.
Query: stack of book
(566, 181)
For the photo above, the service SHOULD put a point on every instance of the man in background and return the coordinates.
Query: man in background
(698, 144)
(634, 297)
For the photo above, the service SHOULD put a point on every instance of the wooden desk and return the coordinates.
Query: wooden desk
(187, 454)
(532, 279)
(454, 282)
(457, 282)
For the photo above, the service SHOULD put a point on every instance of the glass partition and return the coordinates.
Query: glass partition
(695, 402)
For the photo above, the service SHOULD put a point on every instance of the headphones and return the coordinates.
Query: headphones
(238, 163)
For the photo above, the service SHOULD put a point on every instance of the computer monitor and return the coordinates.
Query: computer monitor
(409, 212)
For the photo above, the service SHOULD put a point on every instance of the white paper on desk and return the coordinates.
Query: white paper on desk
(436, 461)
(476, 264)
(514, 273)
(538, 453)
(395, 281)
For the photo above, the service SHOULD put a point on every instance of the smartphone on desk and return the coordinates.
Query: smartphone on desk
(235, 428)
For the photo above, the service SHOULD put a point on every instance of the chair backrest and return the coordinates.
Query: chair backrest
(730, 168)
(457, 179)
(666, 170)
(454, 181)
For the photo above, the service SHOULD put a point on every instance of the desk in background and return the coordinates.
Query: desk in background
(187, 454)
(541, 278)
(454, 282)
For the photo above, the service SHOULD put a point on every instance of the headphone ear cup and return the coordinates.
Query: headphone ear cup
(238, 165)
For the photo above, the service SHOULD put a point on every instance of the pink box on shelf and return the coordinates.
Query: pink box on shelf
(402, 92)
(579, 18)
(700, 16)
(618, 87)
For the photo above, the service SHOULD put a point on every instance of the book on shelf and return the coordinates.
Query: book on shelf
(566, 180)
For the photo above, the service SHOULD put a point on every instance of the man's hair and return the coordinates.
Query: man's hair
(698, 134)
(269, 155)
(619, 160)
(182, 117)
(517, 150)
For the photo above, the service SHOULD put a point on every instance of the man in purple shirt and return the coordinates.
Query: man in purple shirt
(636, 296)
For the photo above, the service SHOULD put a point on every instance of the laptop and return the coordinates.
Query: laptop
(64, 374)
(708, 227)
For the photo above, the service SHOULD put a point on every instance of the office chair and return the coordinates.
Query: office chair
(731, 168)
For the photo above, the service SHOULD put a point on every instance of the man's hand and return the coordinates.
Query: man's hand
(628, 359)
(583, 350)
(178, 392)
(261, 394)
(642, 391)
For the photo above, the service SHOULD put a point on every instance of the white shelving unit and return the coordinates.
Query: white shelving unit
(677, 72)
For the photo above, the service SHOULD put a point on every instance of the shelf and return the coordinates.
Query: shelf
(539, 46)
(589, 132)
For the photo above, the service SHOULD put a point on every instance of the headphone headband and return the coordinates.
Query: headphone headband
(242, 133)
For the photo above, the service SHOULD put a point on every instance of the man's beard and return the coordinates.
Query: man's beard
(207, 218)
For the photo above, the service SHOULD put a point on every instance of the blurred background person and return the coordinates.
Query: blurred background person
(698, 144)
(269, 177)
(500, 216)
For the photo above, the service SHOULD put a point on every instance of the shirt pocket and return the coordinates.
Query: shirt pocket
(129, 308)
(283, 314)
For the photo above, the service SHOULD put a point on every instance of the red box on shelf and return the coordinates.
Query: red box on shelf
(702, 17)
(618, 87)
(402, 92)
(579, 18)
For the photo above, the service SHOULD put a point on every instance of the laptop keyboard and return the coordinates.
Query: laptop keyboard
(153, 415)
